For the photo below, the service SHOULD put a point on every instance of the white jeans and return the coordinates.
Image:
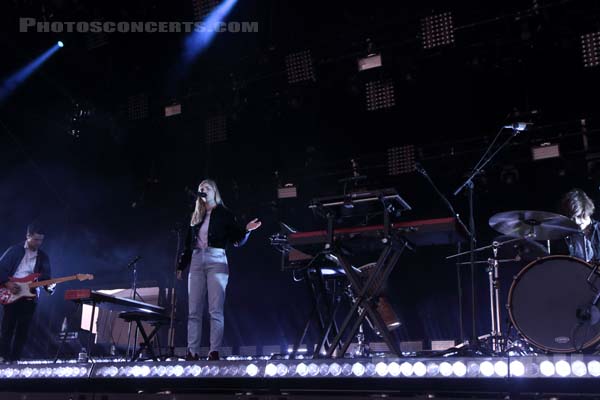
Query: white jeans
(209, 274)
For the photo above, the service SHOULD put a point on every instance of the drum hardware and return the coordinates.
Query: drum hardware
(497, 339)
(552, 308)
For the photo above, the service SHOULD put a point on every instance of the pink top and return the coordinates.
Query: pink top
(203, 234)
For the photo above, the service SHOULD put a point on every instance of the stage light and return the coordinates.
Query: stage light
(432, 369)
(407, 369)
(302, 369)
(216, 129)
(594, 368)
(401, 160)
(517, 368)
(346, 369)
(196, 42)
(473, 368)
(10, 84)
(486, 369)
(358, 369)
(282, 370)
(547, 368)
(437, 30)
(501, 368)
(419, 369)
(369, 62)
(60, 44)
(196, 371)
(335, 369)
(578, 368)
(446, 369)
(252, 370)
(313, 369)
(379, 94)
(563, 368)
(205, 371)
(394, 369)
(137, 107)
(323, 369)
(590, 47)
(459, 369)
(213, 371)
(299, 67)
(381, 369)
(271, 369)
(369, 369)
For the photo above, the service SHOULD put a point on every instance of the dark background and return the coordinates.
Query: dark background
(117, 190)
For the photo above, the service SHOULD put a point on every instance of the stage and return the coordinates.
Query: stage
(569, 376)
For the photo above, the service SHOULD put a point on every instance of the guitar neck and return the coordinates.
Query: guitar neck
(51, 281)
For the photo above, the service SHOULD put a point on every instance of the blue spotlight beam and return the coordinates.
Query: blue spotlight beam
(12, 82)
(201, 38)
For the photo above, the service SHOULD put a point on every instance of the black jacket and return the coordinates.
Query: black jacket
(10, 260)
(223, 229)
(575, 242)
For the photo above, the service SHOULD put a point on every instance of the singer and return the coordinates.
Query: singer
(577, 205)
(212, 228)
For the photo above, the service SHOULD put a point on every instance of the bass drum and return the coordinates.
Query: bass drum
(549, 305)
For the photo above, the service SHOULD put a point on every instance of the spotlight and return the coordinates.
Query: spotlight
(60, 44)
(563, 368)
(252, 370)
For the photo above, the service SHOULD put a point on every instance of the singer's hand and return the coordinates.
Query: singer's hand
(254, 224)
(179, 274)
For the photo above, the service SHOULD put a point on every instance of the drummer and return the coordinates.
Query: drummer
(577, 205)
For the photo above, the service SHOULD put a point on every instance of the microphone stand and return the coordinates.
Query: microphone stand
(423, 172)
(173, 297)
(474, 345)
(133, 266)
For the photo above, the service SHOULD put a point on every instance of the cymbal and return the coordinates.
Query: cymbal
(537, 225)
(524, 249)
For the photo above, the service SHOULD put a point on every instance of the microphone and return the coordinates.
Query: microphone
(136, 259)
(202, 194)
(518, 126)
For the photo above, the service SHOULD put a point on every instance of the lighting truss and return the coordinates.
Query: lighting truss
(401, 160)
(137, 107)
(216, 129)
(380, 94)
(437, 30)
(299, 67)
(590, 47)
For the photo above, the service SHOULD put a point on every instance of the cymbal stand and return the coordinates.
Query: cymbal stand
(494, 288)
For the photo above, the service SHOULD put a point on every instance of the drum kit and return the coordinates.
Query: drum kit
(552, 301)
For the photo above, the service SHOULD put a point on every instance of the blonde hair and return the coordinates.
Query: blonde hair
(200, 209)
(577, 202)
